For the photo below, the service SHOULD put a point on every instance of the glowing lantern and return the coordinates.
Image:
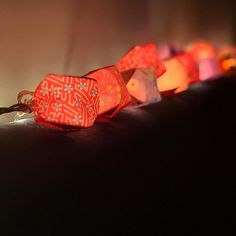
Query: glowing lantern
(140, 57)
(227, 58)
(181, 71)
(229, 65)
(205, 56)
(209, 69)
(113, 94)
(191, 66)
(142, 86)
(61, 100)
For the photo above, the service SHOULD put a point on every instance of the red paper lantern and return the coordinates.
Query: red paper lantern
(113, 94)
(140, 57)
(187, 60)
(66, 100)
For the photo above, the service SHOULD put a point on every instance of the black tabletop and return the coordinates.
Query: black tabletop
(164, 169)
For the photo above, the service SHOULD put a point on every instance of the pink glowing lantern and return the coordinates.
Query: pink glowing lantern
(209, 69)
(205, 55)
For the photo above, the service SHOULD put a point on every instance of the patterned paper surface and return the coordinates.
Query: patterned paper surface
(113, 94)
(142, 56)
(67, 100)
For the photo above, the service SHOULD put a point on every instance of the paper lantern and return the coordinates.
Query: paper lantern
(181, 71)
(142, 86)
(209, 69)
(113, 94)
(228, 65)
(191, 66)
(140, 57)
(227, 59)
(206, 57)
(66, 100)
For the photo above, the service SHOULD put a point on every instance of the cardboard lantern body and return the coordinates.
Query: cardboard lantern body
(113, 94)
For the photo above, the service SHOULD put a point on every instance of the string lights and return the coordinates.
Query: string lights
(139, 78)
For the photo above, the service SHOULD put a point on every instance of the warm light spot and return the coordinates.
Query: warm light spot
(118, 88)
(229, 64)
(109, 87)
(176, 76)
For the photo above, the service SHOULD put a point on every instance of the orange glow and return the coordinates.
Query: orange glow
(175, 78)
(181, 71)
(228, 64)
(227, 58)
